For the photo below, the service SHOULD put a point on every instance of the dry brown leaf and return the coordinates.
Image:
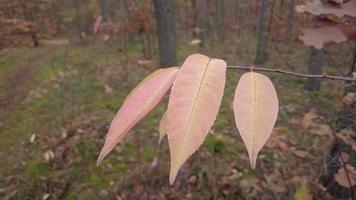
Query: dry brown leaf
(300, 153)
(321, 130)
(108, 89)
(345, 136)
(295, 120)
(308, 118)
(318, 37)
(338, 1)
(349, 98)
(344, 157)
(341, 176)
(317, 8)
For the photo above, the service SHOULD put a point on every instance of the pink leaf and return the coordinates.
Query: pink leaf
(97, 24)
(139, 102)
(255, 109)
(193, 105)
(162, 127)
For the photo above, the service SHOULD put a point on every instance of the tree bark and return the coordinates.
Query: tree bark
(315, 64)
(237, 15)
(353, 65)
(104, 10)
(166, 32)
(220, 18)
(202, 21)
(262, 36)
(290, 21)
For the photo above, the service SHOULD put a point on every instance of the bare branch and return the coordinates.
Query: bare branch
(281, 71)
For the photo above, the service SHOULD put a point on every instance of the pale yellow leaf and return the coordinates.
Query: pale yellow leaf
(193, 105)
(255, 110)
(162, 127)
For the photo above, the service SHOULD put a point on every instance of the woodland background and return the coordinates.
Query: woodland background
(67, 65)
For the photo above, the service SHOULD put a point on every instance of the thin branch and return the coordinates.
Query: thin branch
(281, 71)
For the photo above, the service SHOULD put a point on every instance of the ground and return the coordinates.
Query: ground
(57, 100)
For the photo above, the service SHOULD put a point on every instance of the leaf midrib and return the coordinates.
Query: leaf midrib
(254, 114)
(194, 106)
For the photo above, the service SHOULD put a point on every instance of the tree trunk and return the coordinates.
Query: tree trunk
(104, 10)
(166, 32)
(353, 65)
(262, 36)
(237, 15)
(290, 21)
(315, 64)
(202, 21)
(220, 18)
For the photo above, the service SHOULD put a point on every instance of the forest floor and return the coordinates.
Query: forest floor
(56, 103)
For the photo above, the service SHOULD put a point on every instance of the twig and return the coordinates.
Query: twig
(281, 71)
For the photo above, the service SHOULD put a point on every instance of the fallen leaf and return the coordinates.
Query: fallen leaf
(295, 120)
(341, 177)
(344, 157)
(321, 130)
(32, 138)
(108, 89)
(308, 118)
(346, 136)
(300, 153)
(349, 98)
(48, 156)
(318, 37)
(195, 42)
(316, 7)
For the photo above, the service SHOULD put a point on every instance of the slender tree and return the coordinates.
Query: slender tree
(166, 32)
(262, 35)
(315, 64)
(202, 21)
(353, 65)
(104, 10)
(238, 15)
(290, 21)
(220, 18)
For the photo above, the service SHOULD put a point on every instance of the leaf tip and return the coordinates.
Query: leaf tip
(159, 140)
(98, 162)
(101, 157)
(253, 160)
(172, 178)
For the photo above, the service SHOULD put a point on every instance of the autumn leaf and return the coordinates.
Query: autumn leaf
(342, 179)
(316, 7)
(349, 98)
(255, 110)
(318, 37)
(308, 118)
(97, 24)
(162, 127)
(193, 105)
(139, 102)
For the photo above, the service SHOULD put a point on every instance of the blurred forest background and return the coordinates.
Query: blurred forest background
(67, 65)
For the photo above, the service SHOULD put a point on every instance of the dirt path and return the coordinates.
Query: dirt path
(15, 84)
